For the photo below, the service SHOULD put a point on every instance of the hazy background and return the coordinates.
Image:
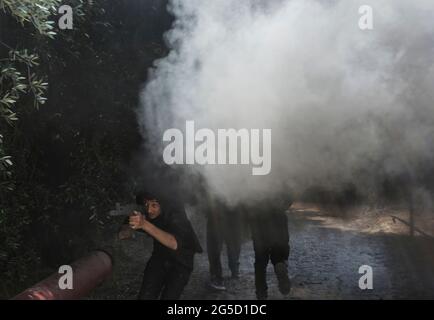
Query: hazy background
(346, 107)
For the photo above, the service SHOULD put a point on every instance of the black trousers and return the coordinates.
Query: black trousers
(223, 227)
(163, 279)
(270, 242)
(275, 253)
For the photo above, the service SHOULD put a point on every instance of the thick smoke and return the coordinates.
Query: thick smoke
(344, 105)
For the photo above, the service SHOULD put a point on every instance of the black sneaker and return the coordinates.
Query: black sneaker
(281, 270)
(235, 275)
(217, 284)
(262, 295)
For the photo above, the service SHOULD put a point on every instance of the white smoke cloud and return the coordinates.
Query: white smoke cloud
(344, 105)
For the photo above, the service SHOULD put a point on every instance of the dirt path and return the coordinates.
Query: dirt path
(326, 253)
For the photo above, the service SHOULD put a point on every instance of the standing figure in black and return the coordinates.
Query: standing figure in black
(168, 270)
(269, 228)
(223, 227)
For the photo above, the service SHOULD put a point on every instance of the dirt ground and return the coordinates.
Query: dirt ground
(327, 250)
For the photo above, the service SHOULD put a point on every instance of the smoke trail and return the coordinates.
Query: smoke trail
(344, 105)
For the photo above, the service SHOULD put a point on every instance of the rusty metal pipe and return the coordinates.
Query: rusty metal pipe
(88, 272)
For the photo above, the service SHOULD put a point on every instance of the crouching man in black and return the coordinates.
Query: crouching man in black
(269, 228)
(175, 243)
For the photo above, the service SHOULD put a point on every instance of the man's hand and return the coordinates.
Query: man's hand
(137, 220)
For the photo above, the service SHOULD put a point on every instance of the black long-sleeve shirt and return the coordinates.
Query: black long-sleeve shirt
(174, 221)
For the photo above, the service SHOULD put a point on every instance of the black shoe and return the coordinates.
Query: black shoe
(235, 275)
(217, 284)
(281, 270)
(262, 295)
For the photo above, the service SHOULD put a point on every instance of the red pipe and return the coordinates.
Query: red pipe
(88, 272)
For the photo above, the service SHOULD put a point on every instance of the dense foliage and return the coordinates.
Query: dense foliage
(68, 130)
